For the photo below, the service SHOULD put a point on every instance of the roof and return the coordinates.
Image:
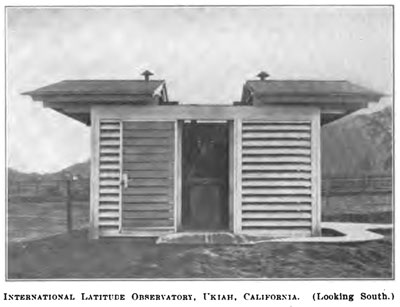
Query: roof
(307, 87)
(102, 87)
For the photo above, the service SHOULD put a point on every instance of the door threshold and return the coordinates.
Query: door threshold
(204, 237)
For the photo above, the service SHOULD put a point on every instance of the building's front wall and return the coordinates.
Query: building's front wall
(274, 176)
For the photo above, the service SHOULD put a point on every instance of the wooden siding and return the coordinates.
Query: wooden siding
(276, 166)
(109, 176)
(148, 163)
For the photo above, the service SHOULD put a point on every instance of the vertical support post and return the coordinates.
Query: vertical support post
(231, 187)
(237, 203)
(94, 175)
(178, 175)
(69, 204)
(316, 173)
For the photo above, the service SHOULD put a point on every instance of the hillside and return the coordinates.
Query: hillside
(358, 144)
(81, 170)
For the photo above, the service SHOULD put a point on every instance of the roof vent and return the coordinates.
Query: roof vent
(147, 75)
(263, 75)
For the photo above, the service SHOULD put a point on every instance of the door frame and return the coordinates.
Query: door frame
(232, 172)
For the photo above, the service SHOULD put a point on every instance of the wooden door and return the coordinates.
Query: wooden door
(148, 176)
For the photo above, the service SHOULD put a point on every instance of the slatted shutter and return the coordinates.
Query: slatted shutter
(276, 178)
(148, 164)
(109, 172)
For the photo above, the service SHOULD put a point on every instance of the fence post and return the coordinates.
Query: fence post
(69, 205)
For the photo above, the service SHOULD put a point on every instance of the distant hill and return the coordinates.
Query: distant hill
(81, 170)
(358, 144)
(355, 145)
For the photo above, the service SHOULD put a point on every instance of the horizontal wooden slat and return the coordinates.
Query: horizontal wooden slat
(109, 214)
(146, 207)
(150, 182)
(110, 134)
(149, 174)
(276, 151)
(147, 215)
(276, 223)
(109, 223)
(110, 125)
(276, 215)
(276, 143)
(161, 142)
(149, 133)
(275, 199)
(151, 190)
(276, 135)
(280, 175)
(274, 127)
(276, 167)
(275, 122)
(110, 174)
(276, 207)
(277, 159)
(109, 207)
(107, 190)
(147, 125)
(108, 142)
(109, 166)
(109, 182)
(155, 166)
(109, 198)
(145, 198)
(126, 223)
(127, 150)
(148, 157)
(113, 158)
(109, 150)
(276, 183)
(276, 191)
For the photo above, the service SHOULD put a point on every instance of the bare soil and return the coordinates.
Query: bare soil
(73, 256)
(43, 253)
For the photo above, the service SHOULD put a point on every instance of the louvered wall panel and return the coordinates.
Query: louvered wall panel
(148, 162)
(276, 178)
(109, 173)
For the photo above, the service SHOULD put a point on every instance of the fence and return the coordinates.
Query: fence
(70, 191)
(340, 185)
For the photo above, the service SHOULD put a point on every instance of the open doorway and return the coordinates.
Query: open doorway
(205, 176)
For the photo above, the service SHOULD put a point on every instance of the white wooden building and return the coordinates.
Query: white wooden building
(158, 167)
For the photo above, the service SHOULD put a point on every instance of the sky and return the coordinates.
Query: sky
(205, 54)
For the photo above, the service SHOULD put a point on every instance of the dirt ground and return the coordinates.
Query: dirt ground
(45, 254)
(65, 257)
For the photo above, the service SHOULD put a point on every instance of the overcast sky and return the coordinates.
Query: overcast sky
(204, 54)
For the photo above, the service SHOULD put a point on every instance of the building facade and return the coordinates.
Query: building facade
(159, 167)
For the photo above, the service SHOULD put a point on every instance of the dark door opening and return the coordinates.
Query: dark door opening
(205, 176)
